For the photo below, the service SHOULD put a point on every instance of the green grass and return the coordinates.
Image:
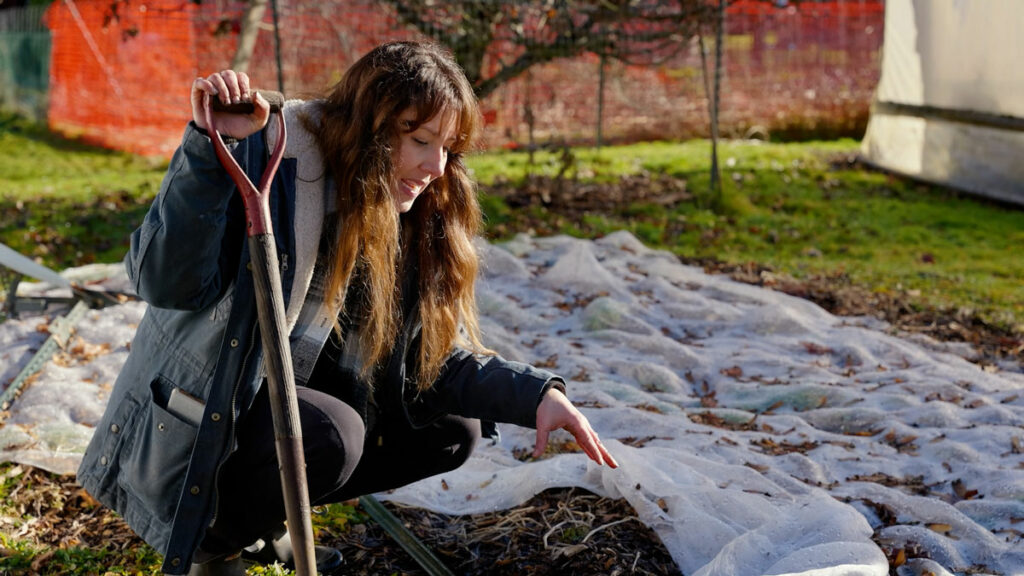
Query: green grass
(789, 206)
(35, 164)
(604, 164)
(76, 560)
(803, 210)
(68, 203)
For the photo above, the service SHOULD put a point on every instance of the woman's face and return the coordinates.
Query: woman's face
(421, 156)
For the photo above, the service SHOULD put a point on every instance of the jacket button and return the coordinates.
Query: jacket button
(194, 490)
(115, 428)
(234, 342)
(103, 460)
(175, 561)
(160, 426)
(215, 416)
(248, 266)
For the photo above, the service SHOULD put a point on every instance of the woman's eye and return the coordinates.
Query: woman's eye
(420, 142)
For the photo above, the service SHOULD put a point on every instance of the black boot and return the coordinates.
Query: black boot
(223, 565)
(277, 547)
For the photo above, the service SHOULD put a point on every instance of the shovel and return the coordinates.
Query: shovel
(270, 308)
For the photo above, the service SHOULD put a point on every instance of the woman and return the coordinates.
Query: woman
(375, 216)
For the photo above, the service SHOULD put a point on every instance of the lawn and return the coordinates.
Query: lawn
(66, 203)
(799, 209)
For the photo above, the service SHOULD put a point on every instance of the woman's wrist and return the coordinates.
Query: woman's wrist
(205, 132)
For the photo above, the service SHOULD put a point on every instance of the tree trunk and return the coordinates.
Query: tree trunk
(251, 21)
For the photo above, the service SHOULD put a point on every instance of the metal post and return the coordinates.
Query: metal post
(277, 46)
(600, 98)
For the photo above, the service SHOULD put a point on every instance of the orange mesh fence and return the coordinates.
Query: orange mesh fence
(122, 79)
(122, 82)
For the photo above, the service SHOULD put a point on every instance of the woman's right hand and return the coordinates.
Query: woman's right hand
(230, 87)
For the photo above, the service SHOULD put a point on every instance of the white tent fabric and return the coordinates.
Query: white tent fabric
(953, 69)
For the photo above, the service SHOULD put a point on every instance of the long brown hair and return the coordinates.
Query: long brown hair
(358, 128)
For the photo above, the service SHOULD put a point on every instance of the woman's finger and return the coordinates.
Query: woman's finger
(204, 85)
(608, 458)
(231, 80)
(585, 439)
(222, 88)
(200, 88)
(603, 456)
(542, 442)
(244, 86)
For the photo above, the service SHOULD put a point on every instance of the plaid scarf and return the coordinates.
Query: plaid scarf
(312, 328)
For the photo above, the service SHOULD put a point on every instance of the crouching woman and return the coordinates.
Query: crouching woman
(374, 215)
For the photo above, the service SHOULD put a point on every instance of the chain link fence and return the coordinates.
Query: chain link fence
(24, 61)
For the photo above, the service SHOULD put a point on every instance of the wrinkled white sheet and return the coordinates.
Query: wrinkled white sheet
(845, 413)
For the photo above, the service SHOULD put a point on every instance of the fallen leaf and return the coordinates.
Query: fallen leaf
(814, 348)
(549, 362)
(733, 372)
(962, 492)
(900, 559)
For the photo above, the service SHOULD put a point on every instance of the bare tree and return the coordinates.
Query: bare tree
(496, 40)
(252, 20)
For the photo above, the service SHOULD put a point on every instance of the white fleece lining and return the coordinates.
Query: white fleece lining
(310, 193)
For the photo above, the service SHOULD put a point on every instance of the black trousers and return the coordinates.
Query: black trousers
(343, 461)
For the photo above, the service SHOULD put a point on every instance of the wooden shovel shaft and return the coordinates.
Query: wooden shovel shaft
(283, 400)
(277, 351)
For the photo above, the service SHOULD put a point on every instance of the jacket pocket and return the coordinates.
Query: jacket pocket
(153, 470)
(101, 463)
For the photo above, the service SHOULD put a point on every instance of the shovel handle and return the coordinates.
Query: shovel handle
(275, 99)
(256, 199)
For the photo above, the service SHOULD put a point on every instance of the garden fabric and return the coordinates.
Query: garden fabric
(756, 433)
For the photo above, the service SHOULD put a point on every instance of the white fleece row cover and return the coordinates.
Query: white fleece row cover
(756, 432)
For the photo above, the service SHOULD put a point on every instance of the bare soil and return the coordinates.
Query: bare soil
(562, 531)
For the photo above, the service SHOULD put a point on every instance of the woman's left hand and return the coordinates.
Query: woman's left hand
(554, 412)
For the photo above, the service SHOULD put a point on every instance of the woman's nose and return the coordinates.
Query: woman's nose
(434, 162)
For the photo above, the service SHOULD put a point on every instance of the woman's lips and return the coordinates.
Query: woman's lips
(412, 188)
